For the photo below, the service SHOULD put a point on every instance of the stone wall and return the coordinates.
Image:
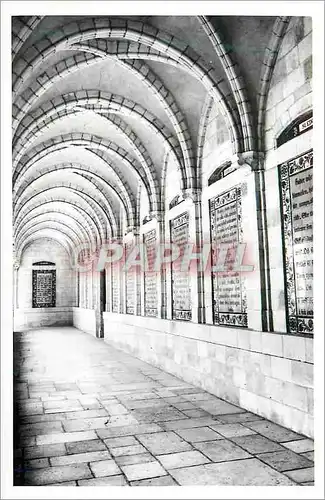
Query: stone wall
(85, 319)
(25, 315)
(37, 318)
(269, 374)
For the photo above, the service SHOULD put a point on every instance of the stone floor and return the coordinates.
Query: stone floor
(88, 414)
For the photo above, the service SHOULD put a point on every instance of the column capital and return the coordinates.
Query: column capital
(195, 194)
(254, 159)
(156, 214)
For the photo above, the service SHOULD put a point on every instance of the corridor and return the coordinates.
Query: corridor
(88, 414)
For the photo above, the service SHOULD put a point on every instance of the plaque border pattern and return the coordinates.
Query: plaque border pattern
(150, 312)
(295, 323)
(129, 307)
(223, 318)
(115, 290)
(178, 314)
(35, 273)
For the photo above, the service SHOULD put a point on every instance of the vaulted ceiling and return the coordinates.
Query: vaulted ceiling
(98, 103)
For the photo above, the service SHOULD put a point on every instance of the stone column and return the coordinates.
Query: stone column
(100, 303)
(256, 162)
(15, 285)
(197, 274)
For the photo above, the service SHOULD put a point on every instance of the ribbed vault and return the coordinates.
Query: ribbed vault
(101, 103)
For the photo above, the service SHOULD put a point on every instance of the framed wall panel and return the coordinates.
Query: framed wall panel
(228, 287)
(296, 194)
(44, 287)
(181, 289)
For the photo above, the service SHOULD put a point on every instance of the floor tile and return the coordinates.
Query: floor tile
(115, 409)
(273, 431)
(36, 463)
(134, 459)
(309, 455)
(301, 475)
(257, 444)
(104, 481)
(127, 450)
(195, 413)
(218, 407)
(222, 450)
(182, 459)
(300, 446)
(120, 441)
(128, 430)
(164, 414)
(85, 446)
(198, 434)
(285, 460)
(65, 483)
(78, 415)
(105, 468)
(232, 430)
(48, 450)
(163, 442)
(239, 417)
(238, 473)
(188, 423)
(40, 428)
(66, 437)
(92, 456)
(143, 471)
(157, 481)
(57, 474)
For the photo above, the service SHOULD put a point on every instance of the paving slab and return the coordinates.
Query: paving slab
(104, 468)
(301, 475)
(104, 481)
(189, 423)
(50, 475)
(143, 471)
(164, 414)
(163, 442)
(232, 430)
(257, 444)
(91, 456)
(128, 430)
(65, 483)
(120, 441)
(285, 460)
(36, 463)
(127, 450)
(198, 434)
(239, 417)
(157, 481)
(40, 428)
(309, 455)
(65, 437)
(218, 407)
(249, 472)
(222, 450)
(274, 431)
(49, 450)
(182, 459)
(300, 446)
(85, 446)
(142, 458)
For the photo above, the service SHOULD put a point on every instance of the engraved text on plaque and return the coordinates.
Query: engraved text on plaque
(296, 185)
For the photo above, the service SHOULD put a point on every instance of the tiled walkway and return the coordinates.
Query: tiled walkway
(88, 414)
